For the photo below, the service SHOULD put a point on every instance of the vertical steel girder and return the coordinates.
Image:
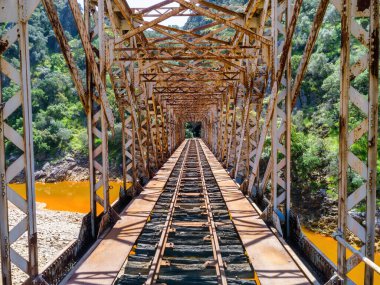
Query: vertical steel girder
(129, 175)
(252, 68)
(97, 126)
(25, 203)
(245, 110)
(225, 120)
(220, 126)
(365, 168)
(163, 129)
(124, 85)
(98, 154)
(215, 124)
(254, 119)
(231, 123)
(160, 129)
(280, 128)
(232, 140)
(143, 126)
(170, 125)
(120, 85)
(277, 77)
(152, 122)
(127, 110)
(143, 129)
(141, 151)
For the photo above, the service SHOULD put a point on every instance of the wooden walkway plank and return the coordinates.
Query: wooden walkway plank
(270, 260)
(103, 264)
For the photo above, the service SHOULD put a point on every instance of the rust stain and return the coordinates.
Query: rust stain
(374, 66)
(363, 5)
(3, 46)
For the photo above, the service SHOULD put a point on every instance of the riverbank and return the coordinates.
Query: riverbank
(329, 247)
(56, 229)
(68, 168)
(320, 215)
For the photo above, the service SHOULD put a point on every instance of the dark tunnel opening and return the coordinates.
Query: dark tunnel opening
(193, 129)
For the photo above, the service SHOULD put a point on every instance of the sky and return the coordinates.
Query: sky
(180, 21)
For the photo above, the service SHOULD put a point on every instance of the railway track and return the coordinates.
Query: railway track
(189, 237)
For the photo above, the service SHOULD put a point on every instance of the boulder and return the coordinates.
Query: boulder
(46, 166)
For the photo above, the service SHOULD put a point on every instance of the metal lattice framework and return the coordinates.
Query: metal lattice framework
(26, 222)
(164, 76)
(368, 128)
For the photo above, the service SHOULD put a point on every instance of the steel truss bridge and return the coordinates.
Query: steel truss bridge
(240, 89)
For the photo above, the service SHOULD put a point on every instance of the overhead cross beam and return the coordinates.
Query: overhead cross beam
(191, 5)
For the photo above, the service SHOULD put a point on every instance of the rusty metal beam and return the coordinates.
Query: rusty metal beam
(191, 33)
(204, 12)
(66, 50)
(317, 23)
(220, 8)
(179, 48)
(184, 58)
(148, 25)
(91, 60)
(153, 7)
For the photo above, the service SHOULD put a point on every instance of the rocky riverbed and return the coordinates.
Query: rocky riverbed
(321, 216)
(56, 229)
(68, 168)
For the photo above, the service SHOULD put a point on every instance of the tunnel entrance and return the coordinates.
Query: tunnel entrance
(193, 129)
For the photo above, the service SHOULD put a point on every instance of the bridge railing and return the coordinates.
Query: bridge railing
(323, 266)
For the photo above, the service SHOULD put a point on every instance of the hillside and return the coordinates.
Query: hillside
(60, 123)
(315, 120)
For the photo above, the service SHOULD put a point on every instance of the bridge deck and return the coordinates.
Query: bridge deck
(103, 264)
(270, 260)
(272, 263)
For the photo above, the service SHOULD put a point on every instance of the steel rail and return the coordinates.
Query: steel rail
(214, 237)
(156, 262)
(162, 244)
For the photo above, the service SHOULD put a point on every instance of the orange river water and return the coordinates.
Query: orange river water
(75, 197)
(329, 247)
(67, 196)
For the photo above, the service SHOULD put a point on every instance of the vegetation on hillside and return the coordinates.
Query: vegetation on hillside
(59, 121)
(60, 124)
(315, 134)
(315, 120)
(193, 130)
